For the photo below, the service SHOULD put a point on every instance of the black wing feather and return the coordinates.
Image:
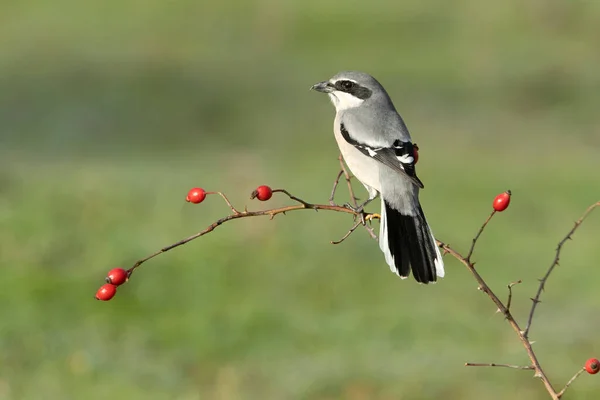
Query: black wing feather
(393, 157)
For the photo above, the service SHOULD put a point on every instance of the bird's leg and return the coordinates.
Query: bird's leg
(359, 209)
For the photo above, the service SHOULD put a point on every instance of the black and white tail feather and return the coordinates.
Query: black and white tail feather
(408, 244)
(378, 149)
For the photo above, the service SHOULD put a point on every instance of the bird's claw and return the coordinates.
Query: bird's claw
(372, 216)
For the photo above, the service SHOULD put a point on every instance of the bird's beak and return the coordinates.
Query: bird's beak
(324, 87)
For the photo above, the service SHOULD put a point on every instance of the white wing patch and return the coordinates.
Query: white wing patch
(406, 159)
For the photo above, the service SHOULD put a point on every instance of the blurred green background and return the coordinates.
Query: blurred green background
(111, 110)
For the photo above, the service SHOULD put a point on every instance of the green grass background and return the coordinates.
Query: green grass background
(111, 110)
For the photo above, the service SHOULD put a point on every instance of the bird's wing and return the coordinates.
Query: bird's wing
(399, 156)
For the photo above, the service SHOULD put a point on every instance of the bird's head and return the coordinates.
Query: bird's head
(351, 89)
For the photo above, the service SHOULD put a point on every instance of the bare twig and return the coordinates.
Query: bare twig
(353, 198)
(570, 381)
(304, 203)
(510, 285)
(226, 201)
(536, 299)
(499, 365)
(335, 185)
(356, 225)
(474, 241)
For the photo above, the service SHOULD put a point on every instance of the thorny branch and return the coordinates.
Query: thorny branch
(522, 335)
(465, 260)
(539, 372)
(536, 299)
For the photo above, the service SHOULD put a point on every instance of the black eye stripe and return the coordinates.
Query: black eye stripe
(353, 88)
(344, 85)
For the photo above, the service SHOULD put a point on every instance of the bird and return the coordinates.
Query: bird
(377, 148)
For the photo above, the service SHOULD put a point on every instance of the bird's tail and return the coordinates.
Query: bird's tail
(408, 244)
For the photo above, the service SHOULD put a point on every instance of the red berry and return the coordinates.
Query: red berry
(502, 201)
(106, 292)
(116, 276)
(592, 366)
(415, 153)
(196, 195)
(263, 193)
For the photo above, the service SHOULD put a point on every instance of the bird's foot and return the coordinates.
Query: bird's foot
(360, 211)
(356, 209)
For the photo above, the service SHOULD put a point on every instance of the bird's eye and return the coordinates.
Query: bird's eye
(347, 85)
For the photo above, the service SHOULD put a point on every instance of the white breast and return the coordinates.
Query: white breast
(364, 168)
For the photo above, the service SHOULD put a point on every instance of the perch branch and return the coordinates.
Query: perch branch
(465, 260)
(245, 214)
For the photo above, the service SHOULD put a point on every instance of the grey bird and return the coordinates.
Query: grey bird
(378, 149)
